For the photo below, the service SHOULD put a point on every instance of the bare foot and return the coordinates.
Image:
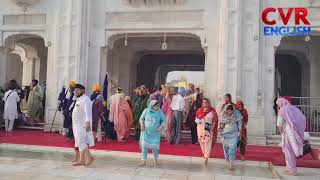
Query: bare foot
(143, 164)
(206, 161)
(231, 166)
(78, 164)
(90, 162)
(156, 162)
(243, 158)
(287, 172)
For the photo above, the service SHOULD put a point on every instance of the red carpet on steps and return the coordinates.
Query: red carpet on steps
(255, 153)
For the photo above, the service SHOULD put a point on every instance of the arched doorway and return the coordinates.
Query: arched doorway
(296, 75)
(24, 58)
(136, 58)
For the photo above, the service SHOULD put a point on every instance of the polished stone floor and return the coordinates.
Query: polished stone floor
(38, 162)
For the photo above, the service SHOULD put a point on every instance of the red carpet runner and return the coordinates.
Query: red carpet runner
(255, 153)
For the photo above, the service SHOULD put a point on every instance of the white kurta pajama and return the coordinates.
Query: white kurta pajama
(11, 98)
(81, 114)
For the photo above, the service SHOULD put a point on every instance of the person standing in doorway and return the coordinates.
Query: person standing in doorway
(82, 127)
(34, 105)
(177, 105)
(35, 83)
(11, 99)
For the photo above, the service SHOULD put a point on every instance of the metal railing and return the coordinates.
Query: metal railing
(310, 106)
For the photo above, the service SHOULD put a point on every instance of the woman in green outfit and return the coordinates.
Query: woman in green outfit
(34, 105)
(139, 106)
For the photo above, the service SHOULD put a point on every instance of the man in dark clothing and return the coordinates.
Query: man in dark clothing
(67, 101)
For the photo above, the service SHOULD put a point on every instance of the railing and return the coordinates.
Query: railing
(310, 106)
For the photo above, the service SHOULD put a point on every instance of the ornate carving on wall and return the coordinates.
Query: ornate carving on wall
(25, 4)
(152, 2)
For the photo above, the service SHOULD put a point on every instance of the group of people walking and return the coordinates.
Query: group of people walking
(35, 101)
(159, 115)
(154, 116)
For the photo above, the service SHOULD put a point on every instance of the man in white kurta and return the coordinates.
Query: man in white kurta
(82, 127)
(11, 98)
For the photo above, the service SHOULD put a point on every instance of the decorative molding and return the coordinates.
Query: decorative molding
(24, 19)
(188, 19)
(25, 4)
(152, 2)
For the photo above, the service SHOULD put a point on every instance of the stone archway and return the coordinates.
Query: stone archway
(127, 60)
(24, 57)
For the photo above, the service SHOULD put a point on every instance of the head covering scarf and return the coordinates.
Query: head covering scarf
(225, 118)
(296, 120)
(202, 112)
(150, 110)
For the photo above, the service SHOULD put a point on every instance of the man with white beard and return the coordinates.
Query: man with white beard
(82, 127)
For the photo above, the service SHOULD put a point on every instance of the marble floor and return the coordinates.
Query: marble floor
(39, 162)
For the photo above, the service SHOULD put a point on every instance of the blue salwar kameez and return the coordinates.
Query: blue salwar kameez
(229, 135)
(150, 137)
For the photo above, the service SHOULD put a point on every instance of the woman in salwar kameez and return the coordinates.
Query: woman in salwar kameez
(167, 111)
(34, 105)
(207, 122)
(191, 118)
(122, 117)
(243, 140)
(151, 121)
(230, 125)
(139, 106)
(291, 123)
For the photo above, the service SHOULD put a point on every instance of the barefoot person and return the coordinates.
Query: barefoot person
(291, 123)
(152, 121)
(206, 123)
(243, 139)
(230, 128)
(82, 127)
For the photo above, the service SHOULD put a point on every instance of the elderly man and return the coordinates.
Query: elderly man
(82, 127)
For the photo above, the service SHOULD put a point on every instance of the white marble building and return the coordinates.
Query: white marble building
(59, 40)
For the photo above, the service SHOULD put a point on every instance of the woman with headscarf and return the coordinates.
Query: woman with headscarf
(230, 127)
(97, 112)
(122, 117)
(151, 121)
(207, 123)
(34, 105)
(291, 123)
(191, 118)
(168, 91)
(139, 106)
(227, 100)
(243, 140)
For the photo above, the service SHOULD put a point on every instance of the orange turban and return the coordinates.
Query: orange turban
(96, 88)
(72, 83)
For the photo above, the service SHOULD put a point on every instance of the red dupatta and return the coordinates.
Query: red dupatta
(201, 112)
